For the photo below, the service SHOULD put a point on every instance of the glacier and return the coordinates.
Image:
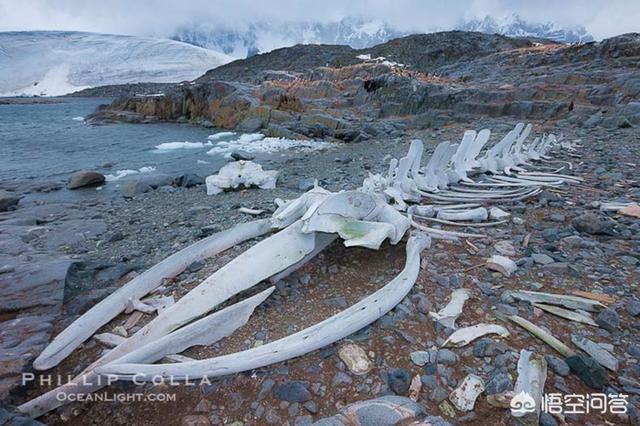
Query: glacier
(54, 63)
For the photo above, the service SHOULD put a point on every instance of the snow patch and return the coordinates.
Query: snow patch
(128, 172)
(257, 142)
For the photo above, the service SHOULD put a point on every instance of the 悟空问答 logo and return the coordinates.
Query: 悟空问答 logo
(522, 404)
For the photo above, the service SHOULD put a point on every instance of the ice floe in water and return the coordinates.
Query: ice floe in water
(171, 146)
(119, 174)
(221, 135)
(257, 142)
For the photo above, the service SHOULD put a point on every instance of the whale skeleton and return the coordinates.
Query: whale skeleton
(456, 182)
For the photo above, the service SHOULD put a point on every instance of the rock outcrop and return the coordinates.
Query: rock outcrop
(419, 81)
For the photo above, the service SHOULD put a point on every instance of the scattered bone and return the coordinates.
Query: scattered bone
(414, 388)
(596, 351)
(109, 340)
(355, 358)
(502, 264)
(253, 212)
(464, 396)
(496, 213)
(137, 305)
(571, 302)
(466, 335)
(449, 314)
(529, 387)
(543, 335)
(566, 314)
(246, 173)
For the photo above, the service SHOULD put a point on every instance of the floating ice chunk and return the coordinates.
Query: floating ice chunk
(257, 143)
(119, 174)
(171, 146)
(220, 135)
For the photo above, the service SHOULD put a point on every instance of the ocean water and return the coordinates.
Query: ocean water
(50, 141)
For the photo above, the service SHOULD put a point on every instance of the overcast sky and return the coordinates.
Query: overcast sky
(161, 17)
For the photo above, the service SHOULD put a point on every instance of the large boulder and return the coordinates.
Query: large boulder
(7, 200)
(84, 178)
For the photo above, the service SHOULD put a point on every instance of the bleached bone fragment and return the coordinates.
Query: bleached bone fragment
(475, 215)
(89, 322)
(566, 314)
(466, 335)
(568, 301)
(414, 388)
(252, 212)
(449, 314)
(137, 305)
(529, 387)
(496, 213)
(502, 264)
(324, 333)
(543, 335)
(597, 352)
(464, 396)
(247, 173)
(205, 331)
(109, 340)
(355, 358)
(160, 303)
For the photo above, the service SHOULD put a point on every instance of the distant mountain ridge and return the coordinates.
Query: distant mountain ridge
(358, 33)
(260, 37)
(514, 26)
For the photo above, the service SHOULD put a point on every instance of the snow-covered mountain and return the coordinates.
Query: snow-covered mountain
(262, 36)
(265, 36)
(514, 26)
(52, 63)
